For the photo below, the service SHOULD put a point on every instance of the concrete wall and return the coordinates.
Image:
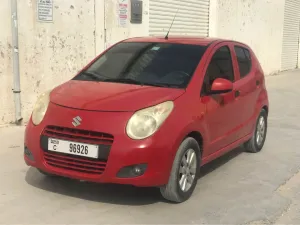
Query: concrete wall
(6, 81)
(114, 32)
(298, 65)
(258, 23)
(52, 53)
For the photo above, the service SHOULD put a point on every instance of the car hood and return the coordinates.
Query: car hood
(105, 96)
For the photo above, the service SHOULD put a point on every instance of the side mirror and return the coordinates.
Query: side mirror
(221, 85)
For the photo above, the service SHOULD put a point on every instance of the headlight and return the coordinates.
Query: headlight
(146, 122)
(40, 108)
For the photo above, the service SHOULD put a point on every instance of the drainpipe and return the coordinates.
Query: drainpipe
(16, 72)
(105, 25)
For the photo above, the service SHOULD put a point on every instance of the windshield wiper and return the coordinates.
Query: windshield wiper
(92, 75)
(95, 76)
(131, 81)
(162, 85)
(123, 80)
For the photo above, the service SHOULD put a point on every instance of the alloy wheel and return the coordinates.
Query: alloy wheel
(260, 131)
(187, 170)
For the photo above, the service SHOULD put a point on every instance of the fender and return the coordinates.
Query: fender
(193, 126)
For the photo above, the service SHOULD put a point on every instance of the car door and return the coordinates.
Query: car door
(221, 114)
(248, 88)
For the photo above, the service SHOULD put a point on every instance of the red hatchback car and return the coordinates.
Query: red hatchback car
(150, 112)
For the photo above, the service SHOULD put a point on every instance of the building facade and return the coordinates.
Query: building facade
(57, 38)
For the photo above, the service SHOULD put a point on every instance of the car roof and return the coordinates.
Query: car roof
(196, 40)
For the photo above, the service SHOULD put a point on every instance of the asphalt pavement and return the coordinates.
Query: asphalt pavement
(238, 188)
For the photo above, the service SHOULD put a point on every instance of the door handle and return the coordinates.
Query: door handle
(237, 93)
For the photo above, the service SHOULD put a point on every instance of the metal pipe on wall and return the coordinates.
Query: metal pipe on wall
(105, 25)
(16, 71)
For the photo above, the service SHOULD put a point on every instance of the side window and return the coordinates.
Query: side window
(244, 60)
(220, 66)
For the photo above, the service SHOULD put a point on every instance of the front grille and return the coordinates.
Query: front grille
(75, 163)
(84, 136)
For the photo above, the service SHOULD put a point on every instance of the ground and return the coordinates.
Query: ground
(239, 188)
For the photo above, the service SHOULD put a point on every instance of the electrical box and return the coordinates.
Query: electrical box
(136, 11)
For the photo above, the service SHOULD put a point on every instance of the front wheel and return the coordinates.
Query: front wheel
(256, 143)
(184, 173)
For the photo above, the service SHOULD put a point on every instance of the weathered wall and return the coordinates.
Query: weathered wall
(114, 32)
(51, 53)
(299, 55)
(259, 23)
(6, 81)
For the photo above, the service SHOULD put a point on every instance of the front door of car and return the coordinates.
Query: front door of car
(221, 115)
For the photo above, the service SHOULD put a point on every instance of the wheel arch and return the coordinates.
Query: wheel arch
(262, 102)
(198, 137)
(266, 108)
(196, 130)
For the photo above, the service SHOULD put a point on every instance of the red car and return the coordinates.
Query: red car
(149, 112)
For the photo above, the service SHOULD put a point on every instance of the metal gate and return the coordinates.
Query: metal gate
(290, 43)
(192, 17)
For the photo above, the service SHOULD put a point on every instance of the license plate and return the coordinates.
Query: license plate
(74, 148)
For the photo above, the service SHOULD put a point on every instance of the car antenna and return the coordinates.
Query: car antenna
(166, 37)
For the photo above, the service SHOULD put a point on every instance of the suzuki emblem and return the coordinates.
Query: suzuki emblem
(76, 121)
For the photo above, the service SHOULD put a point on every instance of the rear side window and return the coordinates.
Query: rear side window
(244, 60)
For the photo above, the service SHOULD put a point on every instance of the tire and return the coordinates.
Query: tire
(253, 145)
(172, 191)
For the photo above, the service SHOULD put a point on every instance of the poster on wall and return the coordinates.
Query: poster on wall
(45, 10)
(122, 12)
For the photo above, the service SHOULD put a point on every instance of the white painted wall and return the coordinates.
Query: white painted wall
(258, 23)
(52, 53)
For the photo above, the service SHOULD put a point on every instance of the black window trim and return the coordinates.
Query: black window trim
(251, 59)
(202, 94)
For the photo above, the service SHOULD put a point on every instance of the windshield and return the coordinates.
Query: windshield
(154, 64)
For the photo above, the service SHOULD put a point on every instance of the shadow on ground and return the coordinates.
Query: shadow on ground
(112, 193)
(216, 164)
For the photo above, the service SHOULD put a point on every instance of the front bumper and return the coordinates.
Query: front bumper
(156, 152)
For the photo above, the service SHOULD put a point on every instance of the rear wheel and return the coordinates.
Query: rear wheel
(256, 143)
(184, 173)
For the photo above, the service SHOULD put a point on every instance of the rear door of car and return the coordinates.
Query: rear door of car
(247, 87)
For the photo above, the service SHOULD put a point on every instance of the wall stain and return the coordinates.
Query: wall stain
(51, 53)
